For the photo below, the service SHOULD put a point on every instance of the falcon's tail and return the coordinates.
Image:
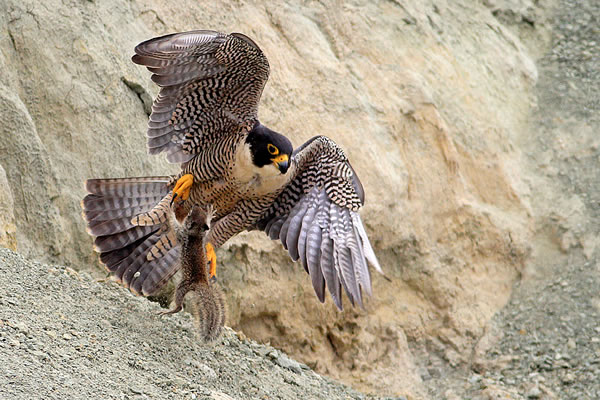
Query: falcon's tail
(124, 244)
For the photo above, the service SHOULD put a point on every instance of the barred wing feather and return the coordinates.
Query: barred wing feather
(316, 219)
(211, 84)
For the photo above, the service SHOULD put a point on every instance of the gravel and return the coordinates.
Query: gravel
(551, 327)
(64, 335)
(545, 343)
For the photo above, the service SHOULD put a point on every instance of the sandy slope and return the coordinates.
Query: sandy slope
(64, 335)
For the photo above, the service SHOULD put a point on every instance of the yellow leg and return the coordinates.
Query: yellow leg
(183, 187)
(212, 258)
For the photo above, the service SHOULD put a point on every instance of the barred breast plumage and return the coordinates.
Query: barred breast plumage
(205, 117)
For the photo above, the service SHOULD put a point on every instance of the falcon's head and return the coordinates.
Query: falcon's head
(269, 148)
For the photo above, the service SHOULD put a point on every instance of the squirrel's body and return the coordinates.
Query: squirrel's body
(208, 305)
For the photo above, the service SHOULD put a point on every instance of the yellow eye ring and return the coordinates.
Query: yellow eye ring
(272, 149)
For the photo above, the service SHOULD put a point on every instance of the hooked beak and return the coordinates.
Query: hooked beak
(281, 162)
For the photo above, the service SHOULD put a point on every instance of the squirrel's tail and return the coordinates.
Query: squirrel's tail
(208, 309)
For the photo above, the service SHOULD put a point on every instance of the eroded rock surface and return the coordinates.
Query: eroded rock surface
(429, 100)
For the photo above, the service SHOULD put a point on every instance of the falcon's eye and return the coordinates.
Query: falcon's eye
(272, 149)
(204, 227)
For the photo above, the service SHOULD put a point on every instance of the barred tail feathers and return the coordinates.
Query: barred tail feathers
(108, 210)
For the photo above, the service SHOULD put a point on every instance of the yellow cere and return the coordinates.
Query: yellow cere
(283, 157)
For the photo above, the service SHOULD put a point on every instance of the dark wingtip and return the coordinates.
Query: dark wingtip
(337, 299)
(360, 191)
(137, 59)
(139, 49)
(246, 39)
(89, 185)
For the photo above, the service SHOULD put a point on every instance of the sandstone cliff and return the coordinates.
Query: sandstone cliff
(428, 99)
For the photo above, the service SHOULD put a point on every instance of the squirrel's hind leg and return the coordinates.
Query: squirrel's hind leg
(182, 289)
(171, 311)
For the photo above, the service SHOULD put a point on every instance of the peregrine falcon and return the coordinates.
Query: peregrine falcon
(205, 118)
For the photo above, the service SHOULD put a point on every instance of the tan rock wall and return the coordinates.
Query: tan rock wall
(425, 97)
(7, 217)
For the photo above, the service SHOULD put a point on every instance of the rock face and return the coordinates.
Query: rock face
(7, 218)
(428, 99)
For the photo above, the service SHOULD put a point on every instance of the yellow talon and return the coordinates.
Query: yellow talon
(183, 187)
(212, 259)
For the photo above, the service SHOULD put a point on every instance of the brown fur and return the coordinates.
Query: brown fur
(208, 304)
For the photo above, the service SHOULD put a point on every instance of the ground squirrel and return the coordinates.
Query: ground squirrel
(208, 305)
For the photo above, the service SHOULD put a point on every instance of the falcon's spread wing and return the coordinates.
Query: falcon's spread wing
(316, 218)
(211, 84)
